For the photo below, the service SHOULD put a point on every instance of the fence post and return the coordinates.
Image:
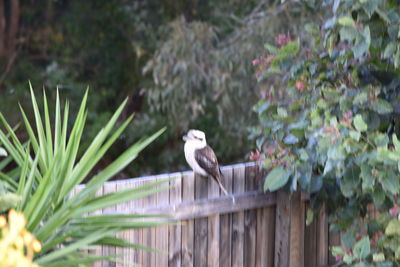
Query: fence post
(297, 222)
(282, 229)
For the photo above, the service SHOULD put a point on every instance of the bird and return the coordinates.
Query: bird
(201, 157)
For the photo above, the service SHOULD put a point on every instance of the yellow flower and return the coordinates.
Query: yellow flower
(3, 222)
(36, 246)
(17, 245)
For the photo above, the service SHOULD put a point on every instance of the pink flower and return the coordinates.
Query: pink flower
(282, 39)
(255, 155)
(339, 257)
(394, 211)
(301, 86)
(256, 61)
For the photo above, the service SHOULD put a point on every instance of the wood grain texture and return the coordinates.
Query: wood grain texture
(265, 242)
(259, 229)
(250, 221)
(334, 240)
(174, 231)
(187, 225)
(161, 238)
(322, 238)
(238, 219)
(107, 189)
(281, 256)
(310, 242)
(206, 207)
(226, 224)
(296, 253)
(97, 250)
(200, 225)
(149, 234)
(213, 228)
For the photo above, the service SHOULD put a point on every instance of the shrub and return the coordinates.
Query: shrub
(329, 122)
(46, 168)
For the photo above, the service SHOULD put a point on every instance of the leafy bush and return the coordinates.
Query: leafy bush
(44, 170)
(329, 122)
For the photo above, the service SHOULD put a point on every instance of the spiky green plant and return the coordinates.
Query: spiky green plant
(47, 170)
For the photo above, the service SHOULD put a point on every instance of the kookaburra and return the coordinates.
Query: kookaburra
(201, 158)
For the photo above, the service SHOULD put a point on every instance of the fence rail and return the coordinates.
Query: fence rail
(257, 229)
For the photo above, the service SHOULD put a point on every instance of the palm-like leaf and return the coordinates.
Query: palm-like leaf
(48, 169)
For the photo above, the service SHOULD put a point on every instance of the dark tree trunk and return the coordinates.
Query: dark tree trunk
(9, 25)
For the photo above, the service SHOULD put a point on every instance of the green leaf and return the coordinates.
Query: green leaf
(390, 182)
(393, 228)
(310, 216)
(378, 196)
(355, 135)
(378, 257)
(381, 140)
(360, 99)
(396, 142)
(350, 181)
(359, 123)
(362, 248)
(389, 50)
(311, 28)
(348, 239)
(337, 251)
(276, 179)
(346, 21)
(348, 34)
(362, 43)
(9, 201)
(370, 6)
(381, 106)
(368, 180)
(272, 49)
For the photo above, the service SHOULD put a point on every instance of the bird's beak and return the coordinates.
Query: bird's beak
(185, 138)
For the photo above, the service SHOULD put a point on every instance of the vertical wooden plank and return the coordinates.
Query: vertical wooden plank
(250, 221)
(282, 229)
(201, 224)
(213, 228)
(129, 256)
(162, 231)
(322, 238)
(310, 242)
(188, 225)
(149, 234)
(122, 208)
(334, 240)
(265, 237)
(107, 189)
(238, 218)
(175, 197)
(226, 224)
(297, 212)
(136, 236)
(98, 249)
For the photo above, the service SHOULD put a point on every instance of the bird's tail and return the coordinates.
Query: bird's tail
(224, 190)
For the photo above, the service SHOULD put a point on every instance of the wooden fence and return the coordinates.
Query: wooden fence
(257, 229)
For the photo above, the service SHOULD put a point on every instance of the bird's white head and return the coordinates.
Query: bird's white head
(196, 137)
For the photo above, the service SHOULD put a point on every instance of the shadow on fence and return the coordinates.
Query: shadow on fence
(259, 229)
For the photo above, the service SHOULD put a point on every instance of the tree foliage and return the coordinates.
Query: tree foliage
(194, 75)
(329, 119)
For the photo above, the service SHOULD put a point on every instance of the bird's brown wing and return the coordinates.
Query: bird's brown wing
(206, 158)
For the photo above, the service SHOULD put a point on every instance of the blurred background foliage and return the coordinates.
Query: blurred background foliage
(184, 64)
